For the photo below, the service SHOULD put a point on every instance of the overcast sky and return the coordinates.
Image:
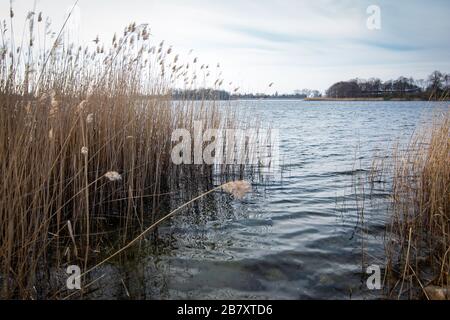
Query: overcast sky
(295, 44)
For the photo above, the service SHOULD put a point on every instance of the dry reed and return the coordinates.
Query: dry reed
(417, 242)
(85, 134)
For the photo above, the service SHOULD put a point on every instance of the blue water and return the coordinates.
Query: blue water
(297, 237)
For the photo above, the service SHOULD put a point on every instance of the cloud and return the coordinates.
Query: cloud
(293, 43)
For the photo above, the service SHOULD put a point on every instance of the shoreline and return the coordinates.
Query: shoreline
(342, 99)
(365, 99)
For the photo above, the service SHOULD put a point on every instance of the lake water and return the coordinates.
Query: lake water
(293, 238)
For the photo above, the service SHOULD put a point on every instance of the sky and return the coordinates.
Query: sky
(294, 44)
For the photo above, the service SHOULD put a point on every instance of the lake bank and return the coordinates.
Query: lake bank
(362, 99)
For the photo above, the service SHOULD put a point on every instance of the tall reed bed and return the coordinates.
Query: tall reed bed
(85, 142)
(417, 242)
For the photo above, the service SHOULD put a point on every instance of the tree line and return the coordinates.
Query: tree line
(216, 94)
(436, 86)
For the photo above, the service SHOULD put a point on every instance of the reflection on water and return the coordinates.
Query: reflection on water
(293, 238)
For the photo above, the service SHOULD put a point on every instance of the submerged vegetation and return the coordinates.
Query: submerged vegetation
(84, 159)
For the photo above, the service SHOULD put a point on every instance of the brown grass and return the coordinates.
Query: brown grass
(417, 243)
(84, 136)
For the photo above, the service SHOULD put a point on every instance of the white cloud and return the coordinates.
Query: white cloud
(293, 43)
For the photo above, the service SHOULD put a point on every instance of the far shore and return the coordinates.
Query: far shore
(362, 99)
(336, 99)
